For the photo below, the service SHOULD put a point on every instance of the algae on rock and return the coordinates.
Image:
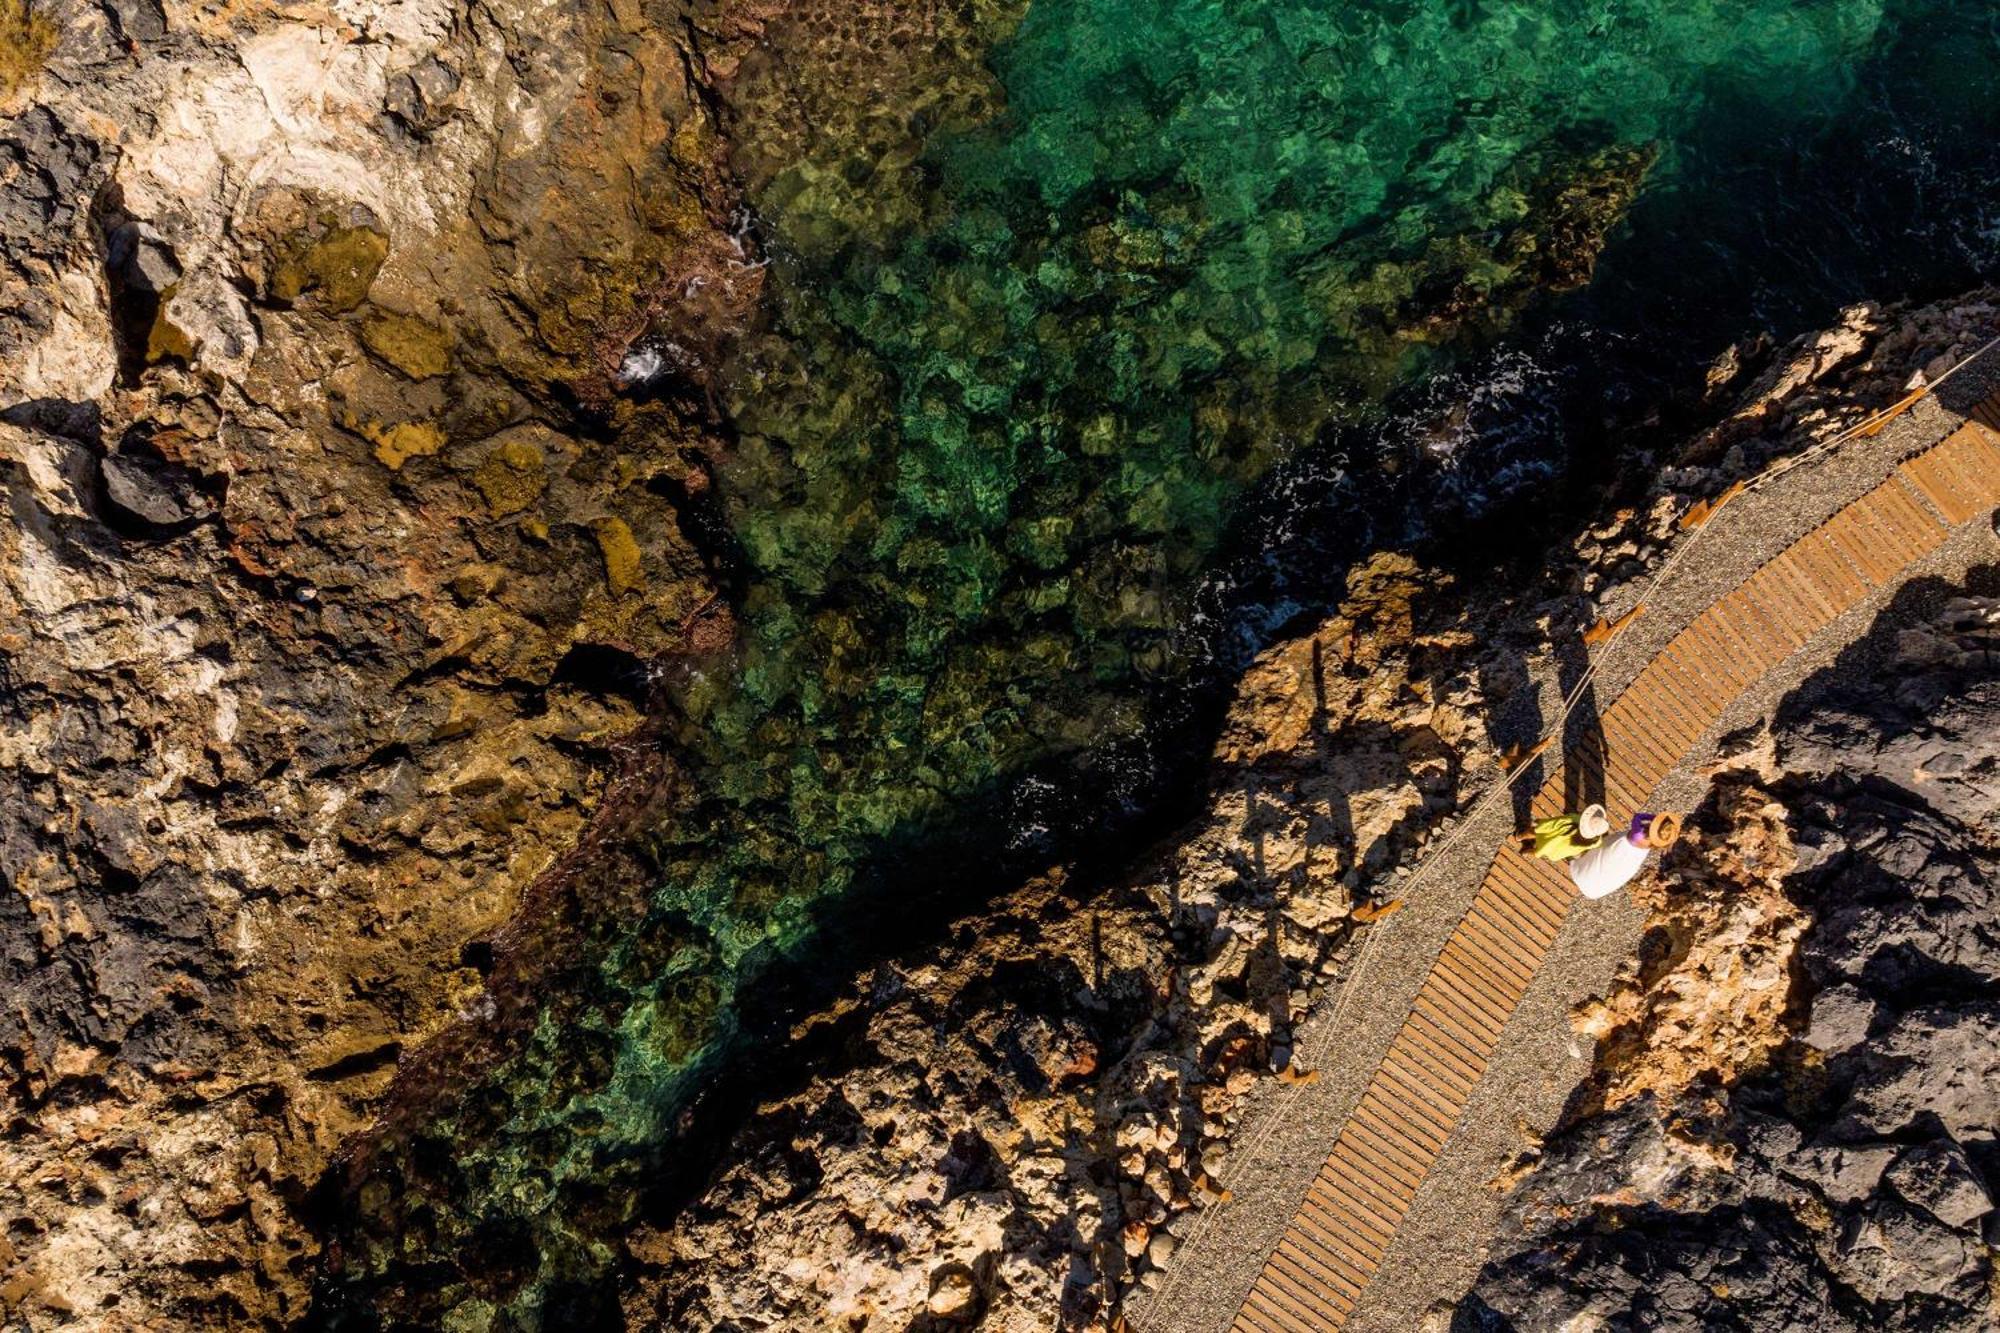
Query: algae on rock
(27, 36)
(418, 348)
(338, 264)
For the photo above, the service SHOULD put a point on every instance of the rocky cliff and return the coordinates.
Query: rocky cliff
(358, 412)
(1793, 1124)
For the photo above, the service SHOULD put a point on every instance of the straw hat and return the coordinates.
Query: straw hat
(1593, 823)
(1664, 832)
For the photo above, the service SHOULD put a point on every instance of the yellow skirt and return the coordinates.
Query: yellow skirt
(1556, 839)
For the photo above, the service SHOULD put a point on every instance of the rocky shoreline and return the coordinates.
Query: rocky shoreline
(1054, 1096)
(358, 425)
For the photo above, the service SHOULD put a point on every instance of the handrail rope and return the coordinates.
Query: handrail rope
(1869, 426)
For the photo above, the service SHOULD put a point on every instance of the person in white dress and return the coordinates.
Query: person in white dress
(1610, 866)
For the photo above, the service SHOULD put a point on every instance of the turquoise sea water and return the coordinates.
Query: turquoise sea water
(1039, 338)
(1000, 442)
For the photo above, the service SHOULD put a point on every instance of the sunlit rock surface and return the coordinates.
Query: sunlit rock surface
(316, 651)
(515, 507)
(1803, 1130)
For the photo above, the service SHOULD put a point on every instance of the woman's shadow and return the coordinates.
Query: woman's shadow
(1519, 723)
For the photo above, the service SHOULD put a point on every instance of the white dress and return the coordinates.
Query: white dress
(1607, 867)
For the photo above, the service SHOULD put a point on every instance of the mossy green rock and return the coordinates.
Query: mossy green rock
(511, 478)
(414, 346)
(338, 266)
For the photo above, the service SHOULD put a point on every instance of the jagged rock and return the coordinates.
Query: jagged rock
(1941, 1179)
(155, 493)
(1840, 1018)
(1935, 1065)
(281, 731)
(1843, 1174)
(141, 21)
(139, 258)
(1889, 1252)
(954, 1295)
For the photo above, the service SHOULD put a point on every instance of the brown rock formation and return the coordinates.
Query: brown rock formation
(334, 572)
(1013, 1126)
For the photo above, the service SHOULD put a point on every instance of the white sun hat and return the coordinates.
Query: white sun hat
(1593, 822)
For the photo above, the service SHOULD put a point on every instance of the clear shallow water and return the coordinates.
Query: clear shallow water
(999, 441)
(1131, 274)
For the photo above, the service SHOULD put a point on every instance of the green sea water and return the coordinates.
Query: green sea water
(1053, 288)
(990, 448)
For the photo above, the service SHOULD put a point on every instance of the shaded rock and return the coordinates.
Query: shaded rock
(156, 493)
(1940, 1178)
(954, 1295)
(139, 258)
(1843, 1174)
(140, 21)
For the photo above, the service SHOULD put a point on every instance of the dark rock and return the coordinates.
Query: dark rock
(1827, 1218)
(155, 493)
(419, 98)
(1842, 1174)
(1889, 1251)
(1936, 1066)
(1840, 1018)
(138, 258)
(47, 170)
(139, 21)
(1941, 1179)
